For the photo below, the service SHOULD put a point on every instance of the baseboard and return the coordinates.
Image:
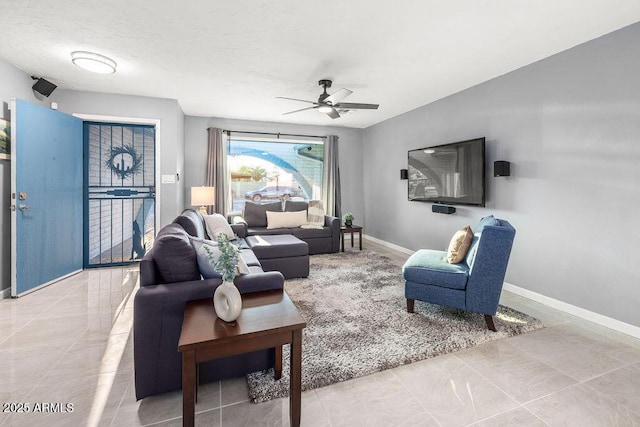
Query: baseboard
(389, 245)
(591, 316)
(6, 293)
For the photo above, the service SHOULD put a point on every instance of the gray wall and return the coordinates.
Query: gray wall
(350, 146)
(570, 125)
(171, 144)
(14, 83)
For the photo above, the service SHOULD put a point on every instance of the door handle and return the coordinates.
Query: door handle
(23, 208)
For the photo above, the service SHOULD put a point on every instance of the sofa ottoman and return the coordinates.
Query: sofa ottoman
(284, 253)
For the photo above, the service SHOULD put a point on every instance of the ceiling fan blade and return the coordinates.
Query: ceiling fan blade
(356, 106)
(333, 113)
(338, 96)
(294, 99)
(302, 109)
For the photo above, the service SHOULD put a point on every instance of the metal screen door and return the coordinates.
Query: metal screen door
(119, 193)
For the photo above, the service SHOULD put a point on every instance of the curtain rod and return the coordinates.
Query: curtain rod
(228, 132)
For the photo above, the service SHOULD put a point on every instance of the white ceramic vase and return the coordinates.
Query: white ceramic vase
(227, 301)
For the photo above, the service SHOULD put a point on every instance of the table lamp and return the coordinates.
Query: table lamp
(203, 197)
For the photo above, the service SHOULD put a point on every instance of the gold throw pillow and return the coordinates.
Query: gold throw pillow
(459, 245)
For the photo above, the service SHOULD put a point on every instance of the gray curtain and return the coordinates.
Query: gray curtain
(217, 170)
(331, 177)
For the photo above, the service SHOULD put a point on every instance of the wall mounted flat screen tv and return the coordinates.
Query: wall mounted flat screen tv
(450, 173)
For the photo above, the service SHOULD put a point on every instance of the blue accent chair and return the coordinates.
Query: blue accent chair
(475, 283)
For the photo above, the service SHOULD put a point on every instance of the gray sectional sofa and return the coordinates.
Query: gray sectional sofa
(169, 277)
(253, 222)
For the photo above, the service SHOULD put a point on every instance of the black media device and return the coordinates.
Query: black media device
(443, 209)
(501, 168)
(42, 86)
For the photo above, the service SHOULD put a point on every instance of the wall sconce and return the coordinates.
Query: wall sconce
(404, 174)
(203, 197)
(501, 168)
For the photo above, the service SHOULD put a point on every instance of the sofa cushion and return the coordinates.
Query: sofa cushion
(192, 222)
(264, 231)
(311, 233)
(459, 245)
(255, 214)
(175, 257)
(295, 206)
(249, 258)
(431, 267)
(286, 219)
(217, 224)
(282, 246)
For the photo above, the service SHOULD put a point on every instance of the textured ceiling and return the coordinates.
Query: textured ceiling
(232, 58)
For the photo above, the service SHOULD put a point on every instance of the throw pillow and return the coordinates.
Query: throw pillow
(217, 224)
(206, 269)
(175, 257)
(459, 245)
(286, 219)
(315, 214)
(242, 266)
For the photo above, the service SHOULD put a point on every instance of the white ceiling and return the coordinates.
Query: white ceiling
(232, 58)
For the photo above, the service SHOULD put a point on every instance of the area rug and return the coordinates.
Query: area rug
(357, 324)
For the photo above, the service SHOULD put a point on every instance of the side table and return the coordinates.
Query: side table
(268, 319)
(351, 229)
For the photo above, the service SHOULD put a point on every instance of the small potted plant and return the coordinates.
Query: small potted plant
(348, 219)
(226, 299)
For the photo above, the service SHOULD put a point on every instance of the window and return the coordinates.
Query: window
(264, 171)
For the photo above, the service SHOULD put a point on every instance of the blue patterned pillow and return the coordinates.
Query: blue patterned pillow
(486, 221)
(206, 269)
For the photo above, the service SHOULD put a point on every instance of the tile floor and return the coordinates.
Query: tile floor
(71, 343)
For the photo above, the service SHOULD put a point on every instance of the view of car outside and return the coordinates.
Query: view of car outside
(268, 171)
(274, 192)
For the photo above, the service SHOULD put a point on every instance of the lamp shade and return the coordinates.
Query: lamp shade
(203, 196)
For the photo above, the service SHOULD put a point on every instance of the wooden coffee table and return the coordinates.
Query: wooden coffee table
(269, 319)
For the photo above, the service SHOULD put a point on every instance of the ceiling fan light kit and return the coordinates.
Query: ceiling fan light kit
(329, 104)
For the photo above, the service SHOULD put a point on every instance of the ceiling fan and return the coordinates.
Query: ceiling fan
(331, 104)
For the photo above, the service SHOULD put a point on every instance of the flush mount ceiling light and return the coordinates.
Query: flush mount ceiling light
(93, 62)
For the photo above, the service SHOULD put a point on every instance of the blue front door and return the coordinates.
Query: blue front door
(46, 196)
